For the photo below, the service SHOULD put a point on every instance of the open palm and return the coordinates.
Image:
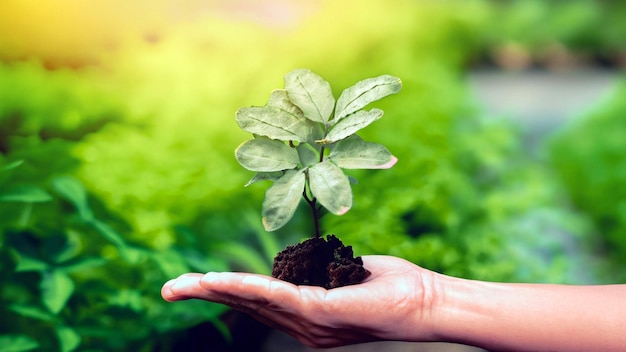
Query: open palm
(388, 305)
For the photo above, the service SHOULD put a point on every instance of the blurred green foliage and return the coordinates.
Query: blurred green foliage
(117, 177)
(554, 34)
(590, 159)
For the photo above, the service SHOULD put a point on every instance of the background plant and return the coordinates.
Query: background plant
(590, 161)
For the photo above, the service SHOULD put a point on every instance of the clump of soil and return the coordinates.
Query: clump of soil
(319, 262)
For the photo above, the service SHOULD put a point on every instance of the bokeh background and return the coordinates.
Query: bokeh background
(117, 136)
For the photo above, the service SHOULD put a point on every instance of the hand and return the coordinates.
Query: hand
(391, 304)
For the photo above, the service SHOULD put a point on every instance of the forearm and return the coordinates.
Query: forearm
(531, 317)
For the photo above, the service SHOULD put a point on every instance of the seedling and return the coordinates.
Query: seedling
(303, 139)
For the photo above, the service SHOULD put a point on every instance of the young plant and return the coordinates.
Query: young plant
(303, 139)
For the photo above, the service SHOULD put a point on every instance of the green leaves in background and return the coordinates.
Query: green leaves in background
(590, 160)
(56, 289)
(64, 258)
(25, 194)
(111, 235)
(17, 343)
(69, 339)
(74, 192)
(20, 192)
(12, 165)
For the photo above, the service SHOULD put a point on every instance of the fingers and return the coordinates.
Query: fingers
(234, 289)
(271, 301)
(382, 264)
(184, 287)
(277, 303)
(313, 315)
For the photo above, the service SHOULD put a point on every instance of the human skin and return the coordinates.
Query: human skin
(404, 302)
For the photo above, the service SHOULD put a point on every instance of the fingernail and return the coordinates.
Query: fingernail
(184, 282)
(209, 278)
(166, 290)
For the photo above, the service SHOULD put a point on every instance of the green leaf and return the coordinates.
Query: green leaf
(70, 248)
(56, 289)
(280, 99)
(32, 312)
(25, 194)
(27, 263)
(269, 244)
(68, 338)
(331, 187)
(245, 256)
(171, 262)
(81, 264)
(274, 123)
(266, 155)
(282, 200)
(351, 124)
(308, 156)
(110, 234)
(199, 261)
(355, 153)
(265, 176)
(17, 343)
(364, 92)
(311, 93)
(127, 298)
(304, 129)
(72, 190)
(12, 165)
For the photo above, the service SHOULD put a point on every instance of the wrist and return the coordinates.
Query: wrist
(466, 311)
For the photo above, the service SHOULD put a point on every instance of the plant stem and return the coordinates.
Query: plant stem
(314, 211)
(316, 218)
(313, 203)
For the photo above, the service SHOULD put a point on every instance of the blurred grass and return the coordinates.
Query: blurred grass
(117, 135)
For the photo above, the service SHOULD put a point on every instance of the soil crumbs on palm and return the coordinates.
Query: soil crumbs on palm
(319, 262)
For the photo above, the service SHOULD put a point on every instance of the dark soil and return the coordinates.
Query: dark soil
(319, 262)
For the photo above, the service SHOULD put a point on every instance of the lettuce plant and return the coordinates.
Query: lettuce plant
(303, 138)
